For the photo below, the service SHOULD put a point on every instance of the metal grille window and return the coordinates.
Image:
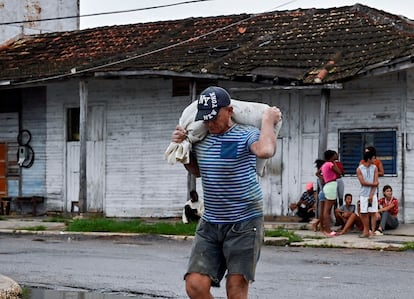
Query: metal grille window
(352, 144)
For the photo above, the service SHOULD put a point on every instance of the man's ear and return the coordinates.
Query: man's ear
(230, 110)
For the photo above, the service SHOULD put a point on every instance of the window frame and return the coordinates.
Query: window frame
(72, 124)
(387, 150)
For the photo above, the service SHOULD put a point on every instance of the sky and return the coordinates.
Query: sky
(214, 8)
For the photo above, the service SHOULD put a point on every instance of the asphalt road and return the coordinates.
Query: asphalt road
(154, 265)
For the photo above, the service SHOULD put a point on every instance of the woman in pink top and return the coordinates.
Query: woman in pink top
(330, 172)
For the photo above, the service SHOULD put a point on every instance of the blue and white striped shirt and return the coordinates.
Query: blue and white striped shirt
(231, 188)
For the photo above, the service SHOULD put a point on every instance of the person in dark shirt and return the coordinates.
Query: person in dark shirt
(305, 207)
(193, 208)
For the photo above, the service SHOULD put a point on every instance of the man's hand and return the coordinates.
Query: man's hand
(179, 134)
(272, 115)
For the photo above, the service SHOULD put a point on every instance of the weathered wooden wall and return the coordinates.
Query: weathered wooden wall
(141, 114)
(370, 103)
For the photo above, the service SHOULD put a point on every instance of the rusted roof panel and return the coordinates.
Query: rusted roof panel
(298, 45)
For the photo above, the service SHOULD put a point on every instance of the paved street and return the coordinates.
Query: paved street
(154, 265)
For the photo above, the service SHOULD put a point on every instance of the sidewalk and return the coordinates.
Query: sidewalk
(391, 240)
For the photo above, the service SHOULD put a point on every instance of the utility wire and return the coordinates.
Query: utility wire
(104, 13)
(74, 71)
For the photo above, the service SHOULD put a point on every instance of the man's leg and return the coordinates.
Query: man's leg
(358, 222)
(348, 225)
(327, 215)
(303, 213)
(365, 222)
(237, 287)
(340, 220)
(340, 191)
(198, 286)
(390, 223)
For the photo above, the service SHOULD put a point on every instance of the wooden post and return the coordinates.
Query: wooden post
(191, 179)
(83, 94)
(323, 122)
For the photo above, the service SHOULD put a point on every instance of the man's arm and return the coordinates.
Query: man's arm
(380, 167)
(265, 147)
(374, 184)
(178, 136)
(192, 167)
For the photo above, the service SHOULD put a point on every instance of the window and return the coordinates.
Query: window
(352, 144)
(181, 86)
(72, 124)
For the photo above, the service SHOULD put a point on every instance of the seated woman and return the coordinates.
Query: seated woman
(388, 209)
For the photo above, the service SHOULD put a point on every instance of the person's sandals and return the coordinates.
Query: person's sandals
(379, 233)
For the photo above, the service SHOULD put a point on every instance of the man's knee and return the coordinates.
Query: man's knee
(237, 286)
(198, 285)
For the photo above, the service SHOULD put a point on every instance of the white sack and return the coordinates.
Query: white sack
(246, 113)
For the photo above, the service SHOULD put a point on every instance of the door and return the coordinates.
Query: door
(3, 170)
(95, 162)
(271, 184)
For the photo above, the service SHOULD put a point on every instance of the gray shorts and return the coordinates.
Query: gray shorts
(232, 247)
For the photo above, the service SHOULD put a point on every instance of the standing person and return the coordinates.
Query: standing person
(341, 186)
(321, 196)
(306, 205)
(388, 209)
(367, 174)
(377, 162)
(230, 232)
(330, 172)
(193, 208)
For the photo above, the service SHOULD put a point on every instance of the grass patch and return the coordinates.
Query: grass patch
(408, 246)
(282, 232)
(25, 293)
(34, 228)
(62, 219)
(161, 228)
(59, 219)
(131, 226)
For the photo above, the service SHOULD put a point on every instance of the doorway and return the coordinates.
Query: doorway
(95, 158)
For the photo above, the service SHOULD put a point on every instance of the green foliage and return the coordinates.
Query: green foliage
(62, 219)
(282, 232)
(25, 293)
(408, 246)
(131, 226)
(34, 228)
(59, 219)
